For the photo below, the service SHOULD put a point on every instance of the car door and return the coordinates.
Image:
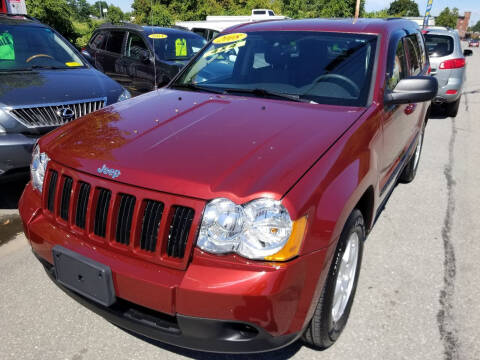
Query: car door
(395, 118)
(138, 59)
(112, 65)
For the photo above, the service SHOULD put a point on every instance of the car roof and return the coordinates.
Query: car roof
(10, 19)
(451, 33)
(147, 29)
(367, 26)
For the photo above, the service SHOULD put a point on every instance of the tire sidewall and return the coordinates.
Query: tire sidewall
(355, 224)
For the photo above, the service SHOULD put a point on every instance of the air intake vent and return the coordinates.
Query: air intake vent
(52, 185)
(124, 220)
(179, 230)
(150, 224)
(66, 194)
(82, 204)
(101, 213)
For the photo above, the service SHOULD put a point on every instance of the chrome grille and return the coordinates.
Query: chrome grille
(51, 114)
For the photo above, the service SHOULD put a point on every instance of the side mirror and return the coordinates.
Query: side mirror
(146, 58)
(414, 89)
(88, 57)
(467, 52)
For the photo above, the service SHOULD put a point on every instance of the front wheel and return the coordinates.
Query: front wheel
(333, 307)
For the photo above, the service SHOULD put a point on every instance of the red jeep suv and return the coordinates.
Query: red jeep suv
(227, 212)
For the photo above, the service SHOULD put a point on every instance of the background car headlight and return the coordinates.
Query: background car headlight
(38, 168)
(257, 230)
(124, 95)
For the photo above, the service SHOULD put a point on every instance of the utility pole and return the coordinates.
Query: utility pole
(357, 10)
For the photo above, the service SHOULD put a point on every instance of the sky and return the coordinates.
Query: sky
(373, 5)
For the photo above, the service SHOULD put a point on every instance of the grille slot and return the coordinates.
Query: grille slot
(150, 224)
(124, 219)
(52, 185)
(82, 203)
(66, 194)
(179, 230)
(40, 116)
(101, 212)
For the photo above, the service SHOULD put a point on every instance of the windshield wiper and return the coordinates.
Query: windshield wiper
(194, 87)
(47, 67)
(268, 93)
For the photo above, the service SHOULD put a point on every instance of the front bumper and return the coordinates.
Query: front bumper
(15, 154)
(218, 304)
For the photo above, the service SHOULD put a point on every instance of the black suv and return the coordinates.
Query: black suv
(125, 53)
(44, 83)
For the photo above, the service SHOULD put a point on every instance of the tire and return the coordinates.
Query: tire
(328, 322)
(452, 108)
(410, 170)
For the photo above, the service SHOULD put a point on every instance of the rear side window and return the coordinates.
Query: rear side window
(136, 47)
(98, 41)
(439, 45)
(414, 55)
(115, 42)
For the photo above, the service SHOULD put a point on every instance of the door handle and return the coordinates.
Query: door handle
(410, 108)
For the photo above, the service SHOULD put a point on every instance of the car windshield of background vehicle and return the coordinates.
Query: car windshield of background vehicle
(439, 45)
(173, 47)
(25, 48)
(320, 67)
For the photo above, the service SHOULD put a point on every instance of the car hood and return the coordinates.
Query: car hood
(201, 145)
(55, 86)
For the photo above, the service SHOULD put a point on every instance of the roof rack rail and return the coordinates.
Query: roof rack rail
(394, 18)
(122, 26)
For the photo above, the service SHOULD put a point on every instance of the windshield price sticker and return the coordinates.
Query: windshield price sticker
(7, 50)
(225, 48)
(230, 38)
(73, 64)
(157, 36)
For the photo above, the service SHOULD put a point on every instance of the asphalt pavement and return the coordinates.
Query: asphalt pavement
(419, 290)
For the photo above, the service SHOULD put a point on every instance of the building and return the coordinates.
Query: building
(462, 24)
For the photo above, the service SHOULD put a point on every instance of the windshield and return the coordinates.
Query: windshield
(171, 47)
(439, 45)
(33, 47)
(326, 68)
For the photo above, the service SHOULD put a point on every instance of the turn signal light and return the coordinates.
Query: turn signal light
(292, 247)
(452, 64)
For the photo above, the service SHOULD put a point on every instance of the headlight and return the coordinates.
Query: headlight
(38, 168)
(260, 229)
(124, 95)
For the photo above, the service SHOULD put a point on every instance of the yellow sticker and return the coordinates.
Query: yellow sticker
(73, 64)
(224, 48)
(229, 38)
(157, 36)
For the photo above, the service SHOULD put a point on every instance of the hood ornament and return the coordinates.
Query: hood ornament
(113, 173)
(66, 114)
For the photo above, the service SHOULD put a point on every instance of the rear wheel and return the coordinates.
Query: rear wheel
(333, 307)
(452, 108)
(410, 170)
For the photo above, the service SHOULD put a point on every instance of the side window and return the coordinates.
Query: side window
(399, 70)
(115, 42)
(414, 55)
(136, 47)
(423, 51)
(98, 41)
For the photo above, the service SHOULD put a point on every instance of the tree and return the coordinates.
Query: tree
(476, 27)
(377, 14)
(95, 8)
(56, 13)
(114, 14)
(447, 18)
(320, 8)
(403, 8)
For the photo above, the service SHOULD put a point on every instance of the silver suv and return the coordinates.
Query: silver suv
(448, 65)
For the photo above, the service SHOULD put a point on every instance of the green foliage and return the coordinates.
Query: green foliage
(56, 13)
(84, 31)
(403, 8)
(377, 14)
(447, 18)
(476, 27)
(114, 15)
(321, 8)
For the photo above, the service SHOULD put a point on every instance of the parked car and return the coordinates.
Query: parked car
(473, 43)
(44, 83)
(448, 67)
(126, 54)
(227, 212)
